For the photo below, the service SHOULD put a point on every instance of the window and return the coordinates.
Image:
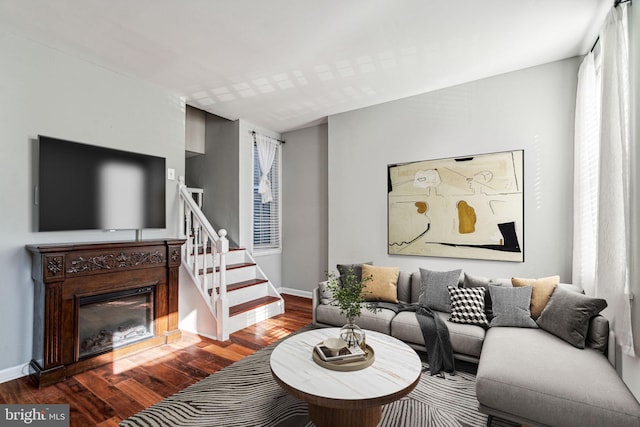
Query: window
(266, 216)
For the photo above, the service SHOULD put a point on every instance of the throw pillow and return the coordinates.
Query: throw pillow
(470, 281)
(541, 292)
(383, 285)
(467, 305)
(356, 268)
(434, 293)
(326, 296)
(511, 306)
(567, 315)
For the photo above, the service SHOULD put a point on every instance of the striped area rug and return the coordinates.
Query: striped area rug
(244, 394)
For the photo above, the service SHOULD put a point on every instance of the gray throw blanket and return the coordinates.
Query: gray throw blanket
(435, 334)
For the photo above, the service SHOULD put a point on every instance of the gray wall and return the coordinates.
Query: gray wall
(532, 109)
(225, 173)
(195, 127)
(304, 211)
(216, 172)
(47, 92)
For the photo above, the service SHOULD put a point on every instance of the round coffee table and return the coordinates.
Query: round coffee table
(337, 398)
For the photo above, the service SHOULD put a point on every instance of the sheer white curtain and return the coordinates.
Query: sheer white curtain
(601, 201)
(267, 148)
(612, 279)
(585, 176)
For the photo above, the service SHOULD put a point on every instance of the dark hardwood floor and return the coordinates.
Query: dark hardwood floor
(106, 395)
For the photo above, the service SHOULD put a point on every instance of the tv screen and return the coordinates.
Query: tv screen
(85, 187)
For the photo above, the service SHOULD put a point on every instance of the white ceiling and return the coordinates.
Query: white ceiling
(287, 64)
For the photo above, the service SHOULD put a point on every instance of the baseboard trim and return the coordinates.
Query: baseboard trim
(295, 292)
(14, 373)
(201, 334)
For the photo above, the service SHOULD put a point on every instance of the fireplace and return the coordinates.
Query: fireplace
(114, 320)
(96, 302)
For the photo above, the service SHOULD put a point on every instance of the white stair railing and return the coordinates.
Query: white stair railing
(202, 239)
(205, 259)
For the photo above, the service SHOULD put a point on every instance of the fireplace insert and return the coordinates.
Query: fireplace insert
(115, 319)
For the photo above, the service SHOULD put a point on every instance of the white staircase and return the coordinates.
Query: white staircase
(235, 289)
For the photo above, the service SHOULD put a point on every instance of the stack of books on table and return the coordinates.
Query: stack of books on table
(346, 354)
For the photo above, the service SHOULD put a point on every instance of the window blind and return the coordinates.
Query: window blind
(266, 216)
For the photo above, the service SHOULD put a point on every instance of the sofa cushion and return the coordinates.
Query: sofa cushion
(567, 315)
(379, 321)
(416, 287)
(467, 306)
(435, 294)
(404, 287)
(511, 307)
(472, 281)
(541, 292)
(598, 334)
(465, 339)
(539, 377)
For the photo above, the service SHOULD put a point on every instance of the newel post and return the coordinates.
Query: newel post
(222, 304)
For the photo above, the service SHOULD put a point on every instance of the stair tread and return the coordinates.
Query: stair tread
(229, 267)
(250, 305)
(244, 284)
(238, 265)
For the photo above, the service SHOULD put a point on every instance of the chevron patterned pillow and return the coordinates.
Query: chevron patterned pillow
(467, 306)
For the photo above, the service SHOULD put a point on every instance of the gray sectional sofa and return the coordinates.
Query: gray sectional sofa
(526, 375)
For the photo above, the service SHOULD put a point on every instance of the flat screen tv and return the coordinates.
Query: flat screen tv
(86, 187)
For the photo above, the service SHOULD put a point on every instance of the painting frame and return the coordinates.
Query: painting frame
(458, 207)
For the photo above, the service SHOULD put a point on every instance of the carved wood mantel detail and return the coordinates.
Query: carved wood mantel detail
(112, 261)
(54, 266)
(65, 273)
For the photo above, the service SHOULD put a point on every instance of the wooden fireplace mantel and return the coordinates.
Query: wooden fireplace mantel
(64, 273)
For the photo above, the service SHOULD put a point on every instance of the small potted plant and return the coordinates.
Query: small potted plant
(348, 291)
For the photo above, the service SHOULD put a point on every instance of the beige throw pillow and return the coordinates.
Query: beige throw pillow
(383, 285)
(541, 292)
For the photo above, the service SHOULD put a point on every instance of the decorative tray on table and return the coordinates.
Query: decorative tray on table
(346, 360)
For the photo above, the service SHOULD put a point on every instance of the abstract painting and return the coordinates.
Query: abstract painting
(459, 207)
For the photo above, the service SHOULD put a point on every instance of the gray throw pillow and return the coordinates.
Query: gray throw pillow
(356, 268)
(511, 306)
(434, 292)
(567, 315)
(470, 281)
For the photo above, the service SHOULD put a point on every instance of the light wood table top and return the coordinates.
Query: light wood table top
(334, 395)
